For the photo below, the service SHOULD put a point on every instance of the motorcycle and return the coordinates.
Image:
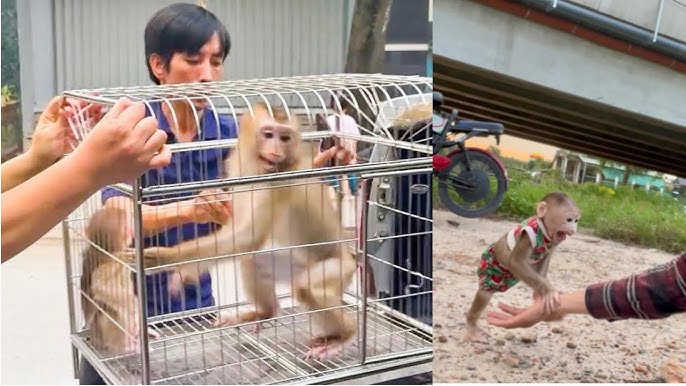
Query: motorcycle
(471, 182)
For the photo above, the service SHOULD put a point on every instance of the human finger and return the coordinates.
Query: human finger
(514, 311)
(52, 109)
(500, 320)
(123, 104)
(494, 315)
(163, 157)
(154, 142)
(144, 129)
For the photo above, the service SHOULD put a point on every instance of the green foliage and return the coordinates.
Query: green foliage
(626, 215)
(7, 95)
(10, 46)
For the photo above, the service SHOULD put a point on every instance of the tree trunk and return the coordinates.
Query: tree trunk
(367, 48)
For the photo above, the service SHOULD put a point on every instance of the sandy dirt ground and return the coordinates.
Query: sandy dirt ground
(577, 349)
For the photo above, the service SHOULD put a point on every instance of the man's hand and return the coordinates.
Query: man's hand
(210, 205)
(516, 317)
(342, 155)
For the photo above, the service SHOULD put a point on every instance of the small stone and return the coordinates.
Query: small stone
(500, 342)
(642, 368)
(442, 339)
(471, 368)
(673, 345)
(551, 372)
(571, 345)
(509, 336)
(529, 338)
(512, 361)
(482, 379)
(438, 325)
(557, 330)
(464, 377)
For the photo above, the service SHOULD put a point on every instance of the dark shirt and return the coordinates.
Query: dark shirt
(185, 166)
(654, 294)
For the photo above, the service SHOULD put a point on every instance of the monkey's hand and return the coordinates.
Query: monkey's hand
(551, 300)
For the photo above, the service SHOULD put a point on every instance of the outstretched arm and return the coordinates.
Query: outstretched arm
(121, 147)
(656, 293)
(515, 317)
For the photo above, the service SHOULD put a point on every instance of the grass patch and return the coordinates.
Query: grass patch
(627, 215)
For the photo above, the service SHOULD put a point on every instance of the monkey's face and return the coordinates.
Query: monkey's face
(561, 221)
(277, 145)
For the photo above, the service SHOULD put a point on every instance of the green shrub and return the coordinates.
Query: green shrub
(626, 215)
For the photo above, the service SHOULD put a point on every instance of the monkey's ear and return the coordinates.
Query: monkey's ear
(541, 208)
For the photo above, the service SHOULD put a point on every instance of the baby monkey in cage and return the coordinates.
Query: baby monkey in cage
(280, 214)
(108, 301)
(524, 254)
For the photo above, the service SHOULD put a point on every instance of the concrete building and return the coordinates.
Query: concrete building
(606, 78)
(72, 44)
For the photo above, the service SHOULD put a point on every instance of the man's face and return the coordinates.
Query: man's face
(205, 66)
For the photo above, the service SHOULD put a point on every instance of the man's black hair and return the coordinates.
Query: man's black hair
(182, 27)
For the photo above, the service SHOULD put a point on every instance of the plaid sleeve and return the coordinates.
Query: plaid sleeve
(654, 294)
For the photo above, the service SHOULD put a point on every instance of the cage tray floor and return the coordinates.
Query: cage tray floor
(192, 351)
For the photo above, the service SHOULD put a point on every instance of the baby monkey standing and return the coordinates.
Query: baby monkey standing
(269, 214)
(524, 254)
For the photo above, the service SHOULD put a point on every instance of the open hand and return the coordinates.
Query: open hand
(515, 317)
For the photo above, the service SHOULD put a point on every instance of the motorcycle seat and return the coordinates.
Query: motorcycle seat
(490, 128)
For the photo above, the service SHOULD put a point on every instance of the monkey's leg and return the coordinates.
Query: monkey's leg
(481, 300)
(258, 283)
(321, 286)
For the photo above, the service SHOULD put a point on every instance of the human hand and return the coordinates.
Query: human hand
(123, 145)
(342, 155)
(516, 317)
(210, 205)
(53, 137)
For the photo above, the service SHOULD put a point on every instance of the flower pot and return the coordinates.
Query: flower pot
(12, 136)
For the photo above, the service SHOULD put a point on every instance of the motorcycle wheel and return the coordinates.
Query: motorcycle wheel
(472, 193)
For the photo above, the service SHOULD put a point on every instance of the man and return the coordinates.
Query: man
(184, 43)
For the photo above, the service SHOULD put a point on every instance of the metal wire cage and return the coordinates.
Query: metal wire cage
(384, 204)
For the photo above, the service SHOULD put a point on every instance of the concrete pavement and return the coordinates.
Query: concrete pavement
(35, 316)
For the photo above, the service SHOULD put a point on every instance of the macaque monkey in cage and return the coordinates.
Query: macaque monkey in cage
(524, 254)
(280, 214)
(110, 286)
